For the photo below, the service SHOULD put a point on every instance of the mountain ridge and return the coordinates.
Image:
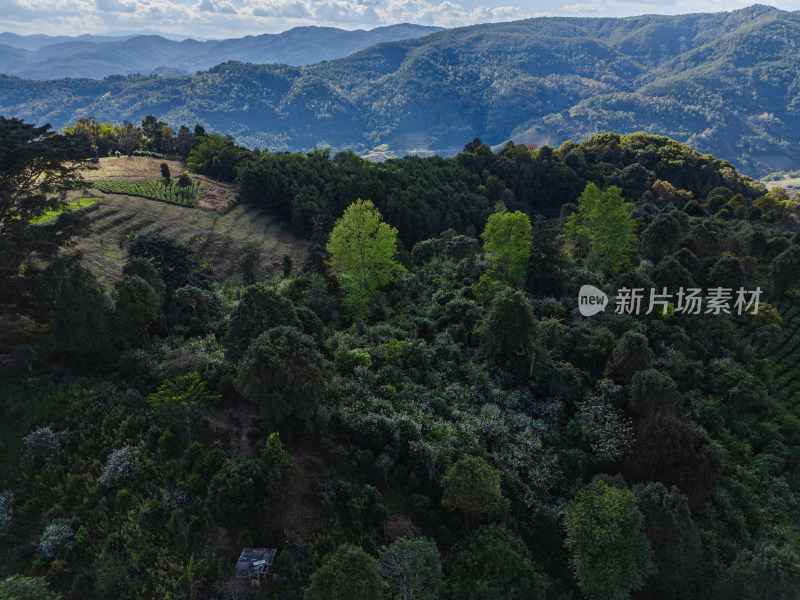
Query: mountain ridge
(722, 82)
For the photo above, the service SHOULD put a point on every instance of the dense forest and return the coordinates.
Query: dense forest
(419, 410)
(724, 83)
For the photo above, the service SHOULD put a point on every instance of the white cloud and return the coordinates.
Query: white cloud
(115, 6)
(216, 6)
(282, 9)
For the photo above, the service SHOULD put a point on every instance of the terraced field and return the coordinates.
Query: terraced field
(217, 239)
(784, 355)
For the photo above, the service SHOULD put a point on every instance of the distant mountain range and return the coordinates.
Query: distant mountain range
(726, 83)
(95, 57)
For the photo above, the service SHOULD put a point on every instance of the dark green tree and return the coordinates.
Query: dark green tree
(283, 373)
(509, 331)
(785, 269)
(135, 309)
(348, 573)
(673, 536)
(81, 321)
(472, 486)
(260, 308)
(237, 492)
(37, 169)
(611, 555)
(494, 563)
(632, 353)
(653, 391)
(172, 260)
(661, 237)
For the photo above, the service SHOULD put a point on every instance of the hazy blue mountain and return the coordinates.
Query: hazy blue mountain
(726, 83)
(96, 57)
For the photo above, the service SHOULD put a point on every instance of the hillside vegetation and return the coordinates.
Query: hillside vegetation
(724, 83)
(440, 423)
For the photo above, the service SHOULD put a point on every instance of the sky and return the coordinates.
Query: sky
(237, 18)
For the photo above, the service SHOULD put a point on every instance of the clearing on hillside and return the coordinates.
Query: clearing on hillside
(215, 238)
(211, 195)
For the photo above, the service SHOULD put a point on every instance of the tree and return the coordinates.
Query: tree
(611, 556)
(81, 320)
(165, 173)
(727, 272)
(363, 253)
(412, 568)
(653, 391)
(770, 571)
(19, 587)
(666, 450)
(507, 240)
(632, 353)
(785, 269)
(661, 237)
(167, 139)
(136, 307)
(172, 260)
(284, 374)
(494, 563)
(509, 331)
(37, 169)
(603, 223)
(473, 486)
(348, 573)
(674, 539)
(89, 128)
(129, 137)
(237, 491)
(260, 308)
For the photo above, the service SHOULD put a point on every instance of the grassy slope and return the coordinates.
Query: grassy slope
(218, 239)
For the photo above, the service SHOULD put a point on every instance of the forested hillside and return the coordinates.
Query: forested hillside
(419, 409)
(724, 83)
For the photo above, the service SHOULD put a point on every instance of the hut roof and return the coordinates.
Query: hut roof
(253, 560)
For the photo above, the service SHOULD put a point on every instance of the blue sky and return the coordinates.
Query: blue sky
(235, 18)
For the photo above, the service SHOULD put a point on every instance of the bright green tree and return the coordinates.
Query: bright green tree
(473, 486)
(363, 254)
(603, 223)
(507, 240)
(611, 555)
(412, 568)
(348, 573)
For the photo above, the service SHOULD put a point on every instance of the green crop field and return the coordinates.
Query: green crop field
(153, 190)
(216, 239)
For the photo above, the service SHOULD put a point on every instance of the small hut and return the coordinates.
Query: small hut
(254, 563)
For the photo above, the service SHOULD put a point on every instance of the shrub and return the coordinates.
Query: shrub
(120, 465)
(43, 447)
(56, 538)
